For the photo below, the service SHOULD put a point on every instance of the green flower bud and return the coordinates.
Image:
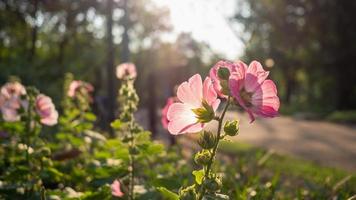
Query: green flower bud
(46, 161)
(223, 73)
(127, 138)
(124, 90)
(231, 128)
(45, 151)
(203, 157)
(136, 129)
(207, 140)
(133, 151)
(187, 193)
(131, 107)
(225, 87)
(212, 184)
(125, 117)
(204, 114)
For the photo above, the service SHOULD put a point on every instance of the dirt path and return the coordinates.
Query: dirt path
(326, 143)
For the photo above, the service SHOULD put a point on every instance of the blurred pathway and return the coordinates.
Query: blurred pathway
(326, 143)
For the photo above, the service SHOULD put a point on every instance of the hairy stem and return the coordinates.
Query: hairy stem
(213, 153)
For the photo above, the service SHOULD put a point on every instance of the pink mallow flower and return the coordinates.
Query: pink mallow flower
(197, 106)
(10, 100)
(253, 92)
(46, 110)
(116, 190)
(126, 70)
(77, 85)
(164, 119)
(221, 85)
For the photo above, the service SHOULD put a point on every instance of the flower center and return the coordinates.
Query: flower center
(246, 97)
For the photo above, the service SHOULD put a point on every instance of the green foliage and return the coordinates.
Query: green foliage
(168, 195)
(199, 174)
(342, 116)
(80, 162)
(309, 64)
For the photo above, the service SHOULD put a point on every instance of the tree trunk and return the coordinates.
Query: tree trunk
(125, 54)
(345, 53)
(111, 80)
(34, 32)
(152, 104)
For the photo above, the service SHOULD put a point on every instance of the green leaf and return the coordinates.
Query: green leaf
(116, 124)
(199, 175)
(90, 116)
(95, 135)
(168, 195)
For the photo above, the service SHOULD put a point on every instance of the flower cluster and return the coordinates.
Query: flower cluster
(126, 71)
(128, 101)
(46, 110)
(25, 109)
(15, 101)
(197, 103)
(10, 100)
(79, 87)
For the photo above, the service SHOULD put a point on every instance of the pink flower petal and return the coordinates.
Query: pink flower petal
(10, 115)
(164, 119)
(209, 93)
(182, 119)
(116, 190)
(192, 94)
(126, 70)
(255, 75)
(238, 67)
(46, 110)
(264, 100)
(188, 92)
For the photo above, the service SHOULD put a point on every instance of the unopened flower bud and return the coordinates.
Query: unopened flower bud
(127, 138)
(231, 128)
(45, 151)
(133, 151)
(46, 161)
(212, 184)
(223, 73)
(203, 157)
(207, 140)
(204, 114)
(187, 193)
(125, 117)
(225, 87)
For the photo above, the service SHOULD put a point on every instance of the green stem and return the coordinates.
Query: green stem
(132, 166)
(27, 140)
(213, 153)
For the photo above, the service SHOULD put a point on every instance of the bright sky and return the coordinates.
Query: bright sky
(207, 21)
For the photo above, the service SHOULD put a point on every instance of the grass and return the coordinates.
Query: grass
(342, 116)
(294, 174)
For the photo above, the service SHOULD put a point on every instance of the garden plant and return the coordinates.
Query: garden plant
(47, 155)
